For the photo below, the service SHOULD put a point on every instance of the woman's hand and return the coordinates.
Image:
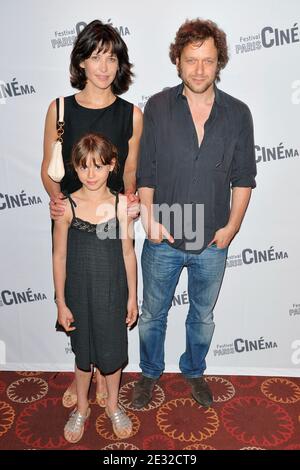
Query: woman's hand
(133, 205)
(57, 206)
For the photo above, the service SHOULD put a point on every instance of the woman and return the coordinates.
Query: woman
(101, 70)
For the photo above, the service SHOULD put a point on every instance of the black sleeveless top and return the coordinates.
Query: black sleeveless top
(96, 292)
(103, 230)
(115, 122)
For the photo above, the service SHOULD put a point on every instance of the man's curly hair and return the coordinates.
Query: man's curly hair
(197, 31)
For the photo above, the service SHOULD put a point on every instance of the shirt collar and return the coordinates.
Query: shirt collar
(179, 90)
(220, 98)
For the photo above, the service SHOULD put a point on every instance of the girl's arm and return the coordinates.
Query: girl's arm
(60, 237)
(126, 225)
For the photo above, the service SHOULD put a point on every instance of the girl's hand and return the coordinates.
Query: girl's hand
(57, 206)
(132, 312)
(65, 318)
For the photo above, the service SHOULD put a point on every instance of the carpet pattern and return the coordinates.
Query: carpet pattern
(248, 413)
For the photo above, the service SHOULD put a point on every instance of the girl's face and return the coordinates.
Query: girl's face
(94, 174)
(101, 68)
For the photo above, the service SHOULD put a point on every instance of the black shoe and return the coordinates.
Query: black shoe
(201, 391)
(142, 392)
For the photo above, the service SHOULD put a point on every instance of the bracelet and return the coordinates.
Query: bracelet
(59, 300)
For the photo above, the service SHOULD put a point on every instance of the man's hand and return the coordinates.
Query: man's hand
(157, 232)
(57, 206)
(223, 236)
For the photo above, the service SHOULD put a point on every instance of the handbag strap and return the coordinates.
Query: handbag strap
(60, 122)
(61, 109)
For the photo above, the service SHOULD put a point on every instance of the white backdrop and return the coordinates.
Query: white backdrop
(258, 311)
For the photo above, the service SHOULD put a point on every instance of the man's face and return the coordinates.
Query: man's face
(197, 66)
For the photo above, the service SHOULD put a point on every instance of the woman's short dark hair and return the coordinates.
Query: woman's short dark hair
(196, 31)
(97, 145)
(101, 37)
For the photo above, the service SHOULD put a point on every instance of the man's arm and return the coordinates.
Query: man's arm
(146, 180)
(146, 197)
(242, 180)
(146, 172)
(239, 203)
(155, 231)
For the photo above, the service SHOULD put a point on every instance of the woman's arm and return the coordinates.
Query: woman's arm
(50, 136)
(57, 205)
(129, 176)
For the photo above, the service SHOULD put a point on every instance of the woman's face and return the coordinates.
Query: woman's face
(101, 68)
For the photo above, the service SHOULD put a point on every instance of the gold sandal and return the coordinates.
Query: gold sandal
(76, 424)
(101, 398)
(121, 423)
(69, 399)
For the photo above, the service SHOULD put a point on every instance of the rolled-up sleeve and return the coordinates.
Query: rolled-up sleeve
(146, 171)
(243, 169)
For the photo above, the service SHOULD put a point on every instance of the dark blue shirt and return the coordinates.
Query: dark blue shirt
(181, 172)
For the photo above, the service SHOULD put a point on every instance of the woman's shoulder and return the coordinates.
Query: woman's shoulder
(124, 103)
(53, 104)
(137, 116)
(52, 107)
(137, 112)
(69, 98)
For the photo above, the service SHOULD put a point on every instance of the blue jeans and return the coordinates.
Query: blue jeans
(161, 267)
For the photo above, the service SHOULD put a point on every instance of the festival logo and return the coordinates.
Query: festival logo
(67, 37)
(252, 256)
(268, 37)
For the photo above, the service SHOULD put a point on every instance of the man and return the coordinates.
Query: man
(197, 148)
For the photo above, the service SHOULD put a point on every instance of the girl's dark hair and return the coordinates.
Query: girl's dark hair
(101, 37)
(196, 31)
(97, 145)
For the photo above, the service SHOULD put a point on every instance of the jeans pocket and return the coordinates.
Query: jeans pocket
(214, 245)
(155, 243)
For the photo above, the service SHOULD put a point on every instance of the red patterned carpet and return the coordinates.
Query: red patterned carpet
(248, 413)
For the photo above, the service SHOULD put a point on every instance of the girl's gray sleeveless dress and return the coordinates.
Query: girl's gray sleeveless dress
(96, 293)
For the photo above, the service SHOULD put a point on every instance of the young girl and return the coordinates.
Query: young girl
(94, 268)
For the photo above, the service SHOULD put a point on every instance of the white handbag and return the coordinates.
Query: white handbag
(56, 168)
